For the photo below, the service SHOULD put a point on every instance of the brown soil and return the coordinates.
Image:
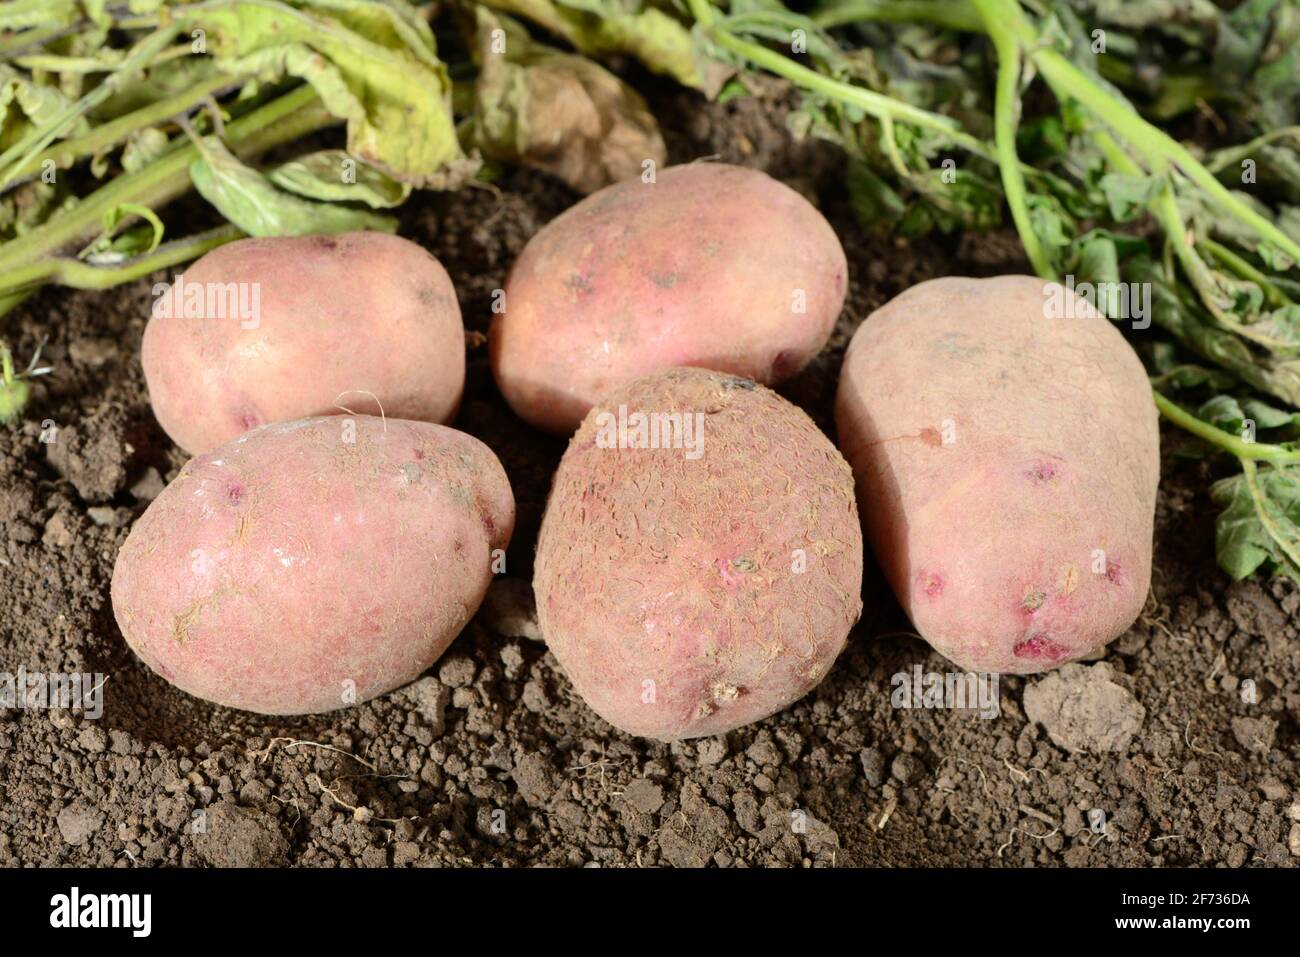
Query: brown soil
(490, 759)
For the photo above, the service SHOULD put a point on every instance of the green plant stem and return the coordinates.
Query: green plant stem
(891, 148)
(1235, 154)
(285, 118)
(873, 104)
(66, 152)
(1245, 270)
(68, 271)
(1006, 118)
(1116, 155)
(1153, 143)
(54, 63)
(19, 40)
(1157, 145)
(10, 300)
(1177, 244)
(882, 108)
(1179, 238)
(1166, 213)
(141, 55)
(1165, 209)
(1006, 16)
(950, 14)
(1246, 451)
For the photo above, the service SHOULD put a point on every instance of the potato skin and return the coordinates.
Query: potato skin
(1006, 465)
(279, 566)
(654, 567)
(700, 268)
(339, 316)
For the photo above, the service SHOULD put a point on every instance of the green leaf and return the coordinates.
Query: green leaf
(1129, 196)
(602, 27)
(1224, 412)
(142, 148)
(334, 176)
(1232, 415)
(373, 64)
(14, 390)
(875, 205)
(1042, 140)
(959, 198)
(1193, 376)
(733, 89)
(771, 21)
(1259, 528)
(1276, 84)
(249, 200)
(1241, 36)
(1051, 221)
(37, 105)
(1097, 259)
(131, 241)
(31, 204)
(17, 14)
(1266, 416)
(1177, 311)
(1274, 258)
(1240, 541)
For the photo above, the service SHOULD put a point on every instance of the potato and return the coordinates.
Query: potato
(1006, 462)
(308, 565)
(713, 266)
(268, 330)
(705, 583)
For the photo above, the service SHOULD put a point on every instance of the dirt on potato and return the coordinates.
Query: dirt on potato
(734, 615)
(1178, 748)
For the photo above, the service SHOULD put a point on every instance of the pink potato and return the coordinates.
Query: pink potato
(713, 266)
(705, 583)
(1006, 460)
(268, 330)
(312, 564)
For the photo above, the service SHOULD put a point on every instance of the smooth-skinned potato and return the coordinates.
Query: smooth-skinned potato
(312, 564)
(713, 266)
(1006, 453)
(689, 590)
(269, 330)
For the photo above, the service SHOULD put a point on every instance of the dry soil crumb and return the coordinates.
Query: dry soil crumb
(1083, 708)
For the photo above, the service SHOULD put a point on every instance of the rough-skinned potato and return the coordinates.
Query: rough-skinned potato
(713, 266)
(689, 590)
(268, 330)
(311, 564)
(1006, 462)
